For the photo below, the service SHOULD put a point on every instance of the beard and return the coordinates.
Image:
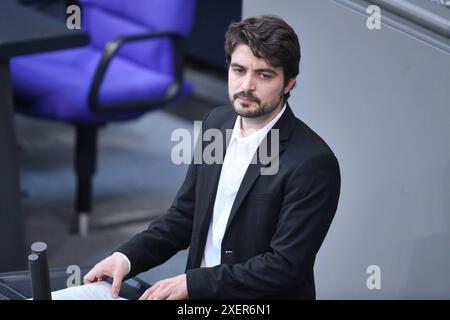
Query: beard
(246, 111)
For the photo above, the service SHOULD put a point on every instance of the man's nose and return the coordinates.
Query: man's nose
(248, 83)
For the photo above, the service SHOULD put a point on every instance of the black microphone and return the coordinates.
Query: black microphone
(40, 275)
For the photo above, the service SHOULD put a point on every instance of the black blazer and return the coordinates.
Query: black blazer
(276, 225)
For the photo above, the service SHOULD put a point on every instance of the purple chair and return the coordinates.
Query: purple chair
(132, 65)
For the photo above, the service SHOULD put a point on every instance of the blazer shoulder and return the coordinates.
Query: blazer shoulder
(216, 116)
(307, 149)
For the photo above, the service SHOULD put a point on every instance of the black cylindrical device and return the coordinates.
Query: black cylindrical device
(40, 275)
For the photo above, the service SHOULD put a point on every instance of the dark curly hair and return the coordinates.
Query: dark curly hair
(269, 37)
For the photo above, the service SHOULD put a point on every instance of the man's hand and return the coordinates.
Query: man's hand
(168, 289)
(114, 266)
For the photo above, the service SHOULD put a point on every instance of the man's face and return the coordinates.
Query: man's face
(255, 87)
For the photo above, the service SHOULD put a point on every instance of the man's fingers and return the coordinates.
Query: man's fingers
(87, 280)
(149, 291)
(117, 283)
(98, 273)
(145, 295)
(172, 297)
(91, 276)
(168, 289)
(160, 295)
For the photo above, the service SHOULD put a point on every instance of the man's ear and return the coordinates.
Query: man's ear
(289, 85)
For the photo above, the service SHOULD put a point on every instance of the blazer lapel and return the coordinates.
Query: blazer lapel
(212, 174)
(285, 126)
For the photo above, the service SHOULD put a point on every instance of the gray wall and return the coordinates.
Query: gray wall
(381, 99)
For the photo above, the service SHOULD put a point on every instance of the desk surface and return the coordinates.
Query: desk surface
(17, 285)
(25, 31)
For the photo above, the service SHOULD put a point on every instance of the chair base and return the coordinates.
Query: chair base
(83, 224)
(80, 224)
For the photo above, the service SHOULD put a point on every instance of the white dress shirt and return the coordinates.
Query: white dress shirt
(238, 156)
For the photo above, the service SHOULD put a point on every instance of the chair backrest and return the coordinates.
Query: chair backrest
(107, 20)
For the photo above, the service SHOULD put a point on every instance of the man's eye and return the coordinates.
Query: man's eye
(238, 71)
(265, 76)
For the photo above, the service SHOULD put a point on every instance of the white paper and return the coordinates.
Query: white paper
(93, 291)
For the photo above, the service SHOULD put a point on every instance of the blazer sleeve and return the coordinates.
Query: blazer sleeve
(171, 232)
(308, 207)
(167, 235)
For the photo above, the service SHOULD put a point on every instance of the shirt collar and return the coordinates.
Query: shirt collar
(260, 134)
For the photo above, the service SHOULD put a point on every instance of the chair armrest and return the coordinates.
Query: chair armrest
(140, 105)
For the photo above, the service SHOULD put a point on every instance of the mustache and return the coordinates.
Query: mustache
(247, 95)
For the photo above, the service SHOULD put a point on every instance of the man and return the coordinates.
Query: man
(250, 235)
